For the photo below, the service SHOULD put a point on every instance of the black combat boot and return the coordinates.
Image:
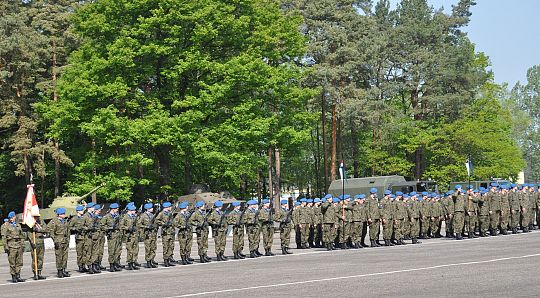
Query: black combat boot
(394, 241)
(66, 274)
(14, 279)
(153, 264)
(373, 244)
(19, 279)
(258, 253)
(242, 256)
(458, 236)
(386, 242)
(208, 259)
(172, 262)
(401, 241)
(118, 267)
(101, 267)
(470, 235)
(39, 276)
(183, 261)
(129, 266)
(287, 250)
(35, 276)
(236, 256)
(415, 241)
(504, 232)
(149, 264)
(283, 251)
(218, 257)
(189, 260)
(112, 268)
(328, 246)
(97, 268)
(493, 232)
(252, 254)
(166, 263)
(60, 274)
(90, 269)
(223, 257)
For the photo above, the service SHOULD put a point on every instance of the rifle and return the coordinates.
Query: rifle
(239, 220)
(256, 218)
(221, 220)
(188, 226)
(288, 217)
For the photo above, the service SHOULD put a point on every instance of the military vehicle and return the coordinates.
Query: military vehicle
(200, 192)
(68, 202)
(480, 183)
(394, 183)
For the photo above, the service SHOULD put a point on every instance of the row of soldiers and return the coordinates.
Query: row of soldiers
(331, 222)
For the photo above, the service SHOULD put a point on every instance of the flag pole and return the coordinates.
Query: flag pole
(35, 255)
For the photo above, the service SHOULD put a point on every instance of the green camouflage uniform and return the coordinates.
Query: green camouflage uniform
(111, 225)
(505, 211)
(436, 215)
(217, 220)
(13, 240)
(76, 227)
(532, 207)
(414, 218)
(185, 232)
(128, 225)
(426, 217)
(40, 229)
(483, 214)
(165, 220)
(149, 228)
(235, 218)
(329, 222)
(495, 208)
(470, 213)
(252, 228)
(58, 229)
(304, 214)
(387, 216)
(401, 217)
(359, 217)
(374, 216)
(459, 213)
(317, 225)
(514, 210)
(199, 220)
(284, 217)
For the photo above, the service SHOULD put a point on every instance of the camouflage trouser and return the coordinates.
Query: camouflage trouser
(150, 245)
(356, 231)
(61, 253)
(304, 233)
(524, 218)
(267, 230)
(434, 225)
(101, 249)
(398, 228)
(15, 258)
(470, 222)
(484, 223)
(514, 219)
(374, 229)
(87, 250)
(132, 247)
(317, 233)
(114, 247)
(185, 240)
(285, 234)
(425, 225)
(343, 231)
(40, 252)
(388, 229)
(253, 237)
(167, 240)
(532, 215)
(494, 219)
(202, 241)
(238, 238)
(449, 226)
(79, 248)
(95, 251)
(415, 227)
(328, 233)
(406, 229)
(459, 221)
(505, 219)
(220, 240)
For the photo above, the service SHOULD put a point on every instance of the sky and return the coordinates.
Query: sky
(507, 31)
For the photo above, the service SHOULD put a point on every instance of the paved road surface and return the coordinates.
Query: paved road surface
(502, 266)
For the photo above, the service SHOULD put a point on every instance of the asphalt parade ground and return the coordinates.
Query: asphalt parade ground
(500, 266)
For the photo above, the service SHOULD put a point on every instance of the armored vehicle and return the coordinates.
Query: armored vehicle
(68, 202)
(394, 183)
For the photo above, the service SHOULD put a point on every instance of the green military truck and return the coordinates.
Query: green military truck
(394, 183)
(480, 183)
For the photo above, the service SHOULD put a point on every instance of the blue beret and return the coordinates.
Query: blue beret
(131, 207)
(476, 190)
(266, 201)
(310, 200)
(235, 204)
(218, 204)
(252, 202)
(184, 205)
(450, 192)
(373, 190)
(513, 185)
(199, 204)
(434, 194)
(335, 200)
(97, 207)
(493, 184)
(303, 200)
(399, 193)
(362, 196)
(60, 211)
(90, 205)
(457, 186)
(387, 192)
(11, 214)
(296, 203)
(79, 208)
(470, 186)
(148, 206)
(114, 206)
(328, 196)
(316, 200)
(406, 196)
(357, 197)
(393, 196)
(283, 202)
(167, 204)
(424, 193)
(413, 193)
(347, 197)
(5, 219)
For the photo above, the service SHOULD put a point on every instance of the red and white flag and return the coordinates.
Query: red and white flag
(31, 208)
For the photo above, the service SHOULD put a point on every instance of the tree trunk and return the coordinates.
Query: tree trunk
(333, 144)
(325, 152)
(270, 184)
(277, 193)
(94, 170)
(354, 142)
(419, 152)
(317, 155)
(163, 155)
